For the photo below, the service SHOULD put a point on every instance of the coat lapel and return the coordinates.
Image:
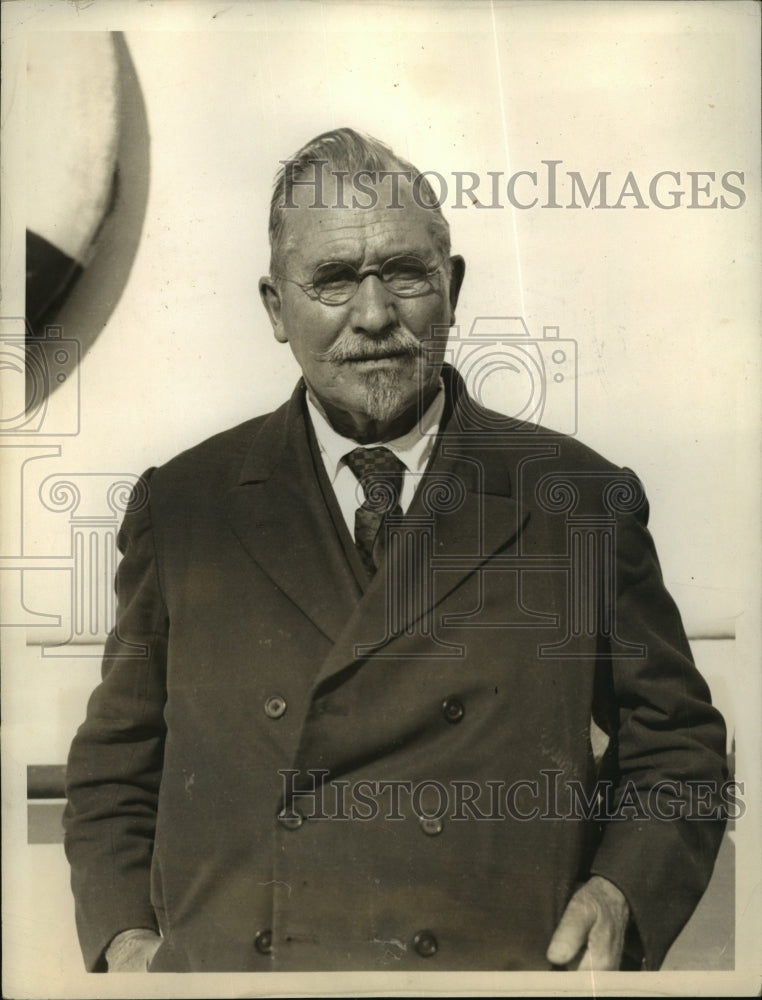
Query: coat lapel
(465, 510)
(280, 517)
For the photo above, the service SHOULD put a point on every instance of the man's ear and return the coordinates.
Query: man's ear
(457, 273)
(271, 301)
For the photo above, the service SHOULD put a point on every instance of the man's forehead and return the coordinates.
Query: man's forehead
(349, 218)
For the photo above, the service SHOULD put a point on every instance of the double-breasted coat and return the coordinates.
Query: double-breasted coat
(289, 766)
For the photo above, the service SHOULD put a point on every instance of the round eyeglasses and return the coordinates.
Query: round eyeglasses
(335, 282)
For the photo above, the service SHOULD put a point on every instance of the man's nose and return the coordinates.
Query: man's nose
(374, 308)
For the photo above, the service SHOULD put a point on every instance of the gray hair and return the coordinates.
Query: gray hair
(347, 151)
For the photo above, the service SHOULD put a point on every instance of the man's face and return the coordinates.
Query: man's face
(362, 360)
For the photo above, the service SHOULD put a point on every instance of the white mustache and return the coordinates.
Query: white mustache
(352, 349)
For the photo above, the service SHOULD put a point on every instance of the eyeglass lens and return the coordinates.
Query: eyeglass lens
(336, 282)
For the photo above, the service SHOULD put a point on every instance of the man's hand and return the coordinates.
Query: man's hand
(591, 932)
(132, 950)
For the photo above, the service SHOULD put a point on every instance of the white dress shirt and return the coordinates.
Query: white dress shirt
(412, 449)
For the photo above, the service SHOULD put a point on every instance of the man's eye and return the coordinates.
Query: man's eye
(329, 275)
(405, 270)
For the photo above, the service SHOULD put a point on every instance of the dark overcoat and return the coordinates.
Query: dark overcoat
(288, 766)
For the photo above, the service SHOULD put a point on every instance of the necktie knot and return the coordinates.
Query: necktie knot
(380, 474)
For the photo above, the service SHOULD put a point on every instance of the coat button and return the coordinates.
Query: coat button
(290, 819)
(431, 825)
(452, 709)
(263, 942)
(275, 707)
(425, 944)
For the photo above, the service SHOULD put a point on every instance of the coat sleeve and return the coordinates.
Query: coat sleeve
(115, 762)
(666, 817)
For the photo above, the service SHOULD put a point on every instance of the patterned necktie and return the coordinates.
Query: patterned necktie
(380, 474)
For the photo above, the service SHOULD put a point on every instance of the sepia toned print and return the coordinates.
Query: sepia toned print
(392, 690)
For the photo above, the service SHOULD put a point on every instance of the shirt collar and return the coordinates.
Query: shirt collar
(413, 448)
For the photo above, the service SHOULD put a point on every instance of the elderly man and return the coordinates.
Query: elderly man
(395, 682)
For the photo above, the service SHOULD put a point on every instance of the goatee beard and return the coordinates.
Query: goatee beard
(382, 395)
